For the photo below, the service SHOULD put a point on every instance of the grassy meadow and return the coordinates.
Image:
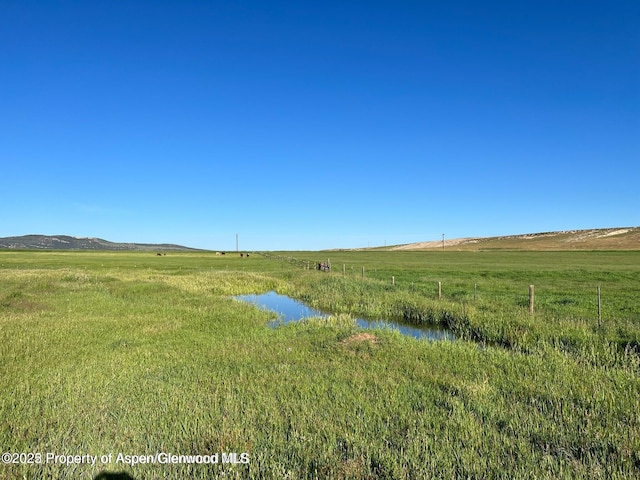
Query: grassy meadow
(105, 353)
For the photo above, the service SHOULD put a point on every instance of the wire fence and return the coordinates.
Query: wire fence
(590, 301)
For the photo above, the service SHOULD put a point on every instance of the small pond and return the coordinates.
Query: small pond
(290, 310)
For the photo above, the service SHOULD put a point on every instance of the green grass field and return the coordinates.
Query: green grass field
(135, 354)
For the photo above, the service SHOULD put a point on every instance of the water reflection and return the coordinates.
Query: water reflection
(290, 310)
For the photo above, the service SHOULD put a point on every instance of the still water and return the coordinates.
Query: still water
(290, 310)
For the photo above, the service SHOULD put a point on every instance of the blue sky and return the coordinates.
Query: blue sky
(311, 125)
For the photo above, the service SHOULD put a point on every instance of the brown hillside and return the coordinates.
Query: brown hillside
(623, 238)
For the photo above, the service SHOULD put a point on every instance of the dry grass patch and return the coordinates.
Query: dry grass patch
(360, 338)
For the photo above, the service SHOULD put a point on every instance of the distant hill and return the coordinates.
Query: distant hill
(65, 242)
(623, 238)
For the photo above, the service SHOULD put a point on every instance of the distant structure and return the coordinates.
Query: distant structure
(324, 267)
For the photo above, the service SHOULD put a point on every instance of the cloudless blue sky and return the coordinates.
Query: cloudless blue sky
(313, 125)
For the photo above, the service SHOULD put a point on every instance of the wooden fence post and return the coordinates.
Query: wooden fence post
(439, 290)
(393, 280)
(599, 317)
(531, 299)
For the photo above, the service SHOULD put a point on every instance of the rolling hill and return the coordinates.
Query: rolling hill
(622, 238)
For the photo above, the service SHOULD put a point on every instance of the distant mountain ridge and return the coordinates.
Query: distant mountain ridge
(66, 242)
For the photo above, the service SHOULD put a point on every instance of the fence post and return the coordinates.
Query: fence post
(475, 291)
(531, 299)
(363, 272)
(439, 290)
(599, 317)
(393, 280)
